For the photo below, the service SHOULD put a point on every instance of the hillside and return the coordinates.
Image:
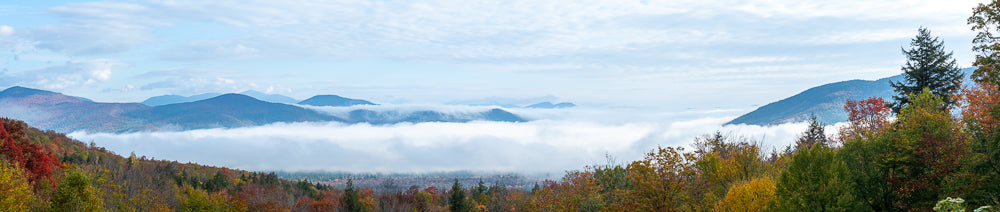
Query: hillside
(825, 101)
(50, 110)
(100, 180)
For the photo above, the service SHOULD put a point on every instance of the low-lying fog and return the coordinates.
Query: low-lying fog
(554, 141)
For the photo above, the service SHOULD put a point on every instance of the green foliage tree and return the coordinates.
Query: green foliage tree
(928, 150)
(927, 66)
(913, 164)
(75, 193)
(458, 201)
(816, 181)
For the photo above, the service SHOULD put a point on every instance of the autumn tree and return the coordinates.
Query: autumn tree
(982, 111)
(927, 66)
(660, 178)
(75, 193)
(722, 162)
(864, 117)
(929, 148)
(754, 195)
(16, 190)
(985, 21)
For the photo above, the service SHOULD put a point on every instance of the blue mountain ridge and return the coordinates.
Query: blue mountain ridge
(55, 111)
(825, 101)
(333, 100)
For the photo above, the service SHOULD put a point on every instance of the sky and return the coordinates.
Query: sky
(661, 55)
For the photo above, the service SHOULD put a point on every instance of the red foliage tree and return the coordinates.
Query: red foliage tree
(865, 117)
(33, 157)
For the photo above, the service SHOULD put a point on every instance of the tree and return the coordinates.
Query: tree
(927, 66)
(812, 136)
(16, 190)
(864, 117)
(352, 199)
(754, 195)
(660, 178)
(928, 149)
(76, 193)
(816, 181)
(985, 20)
(458, 201)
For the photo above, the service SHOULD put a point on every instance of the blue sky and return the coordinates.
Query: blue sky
(669, 55)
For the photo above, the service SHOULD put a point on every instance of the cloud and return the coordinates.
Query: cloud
(538, 147)
(97, 28)
(63, 76)
(192, 81)
(210, 50)
(6, 30)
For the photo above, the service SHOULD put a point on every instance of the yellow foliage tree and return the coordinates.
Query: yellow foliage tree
(754, 195)
(17, 194)
(659, 179)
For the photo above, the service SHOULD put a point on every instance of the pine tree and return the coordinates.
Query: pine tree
(458, 201)
(927, 66)
(352, 200)
(814, 135)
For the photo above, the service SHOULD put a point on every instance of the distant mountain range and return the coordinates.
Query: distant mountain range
(825, 101)
(549, 105)
(55, 111)
(333, 100)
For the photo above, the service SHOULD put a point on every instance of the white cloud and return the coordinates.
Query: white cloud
(68, 75)
(543, 146)
(6, 30)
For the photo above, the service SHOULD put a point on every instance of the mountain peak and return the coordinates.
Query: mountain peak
(18, 91)
(231, 98)
(277, 98)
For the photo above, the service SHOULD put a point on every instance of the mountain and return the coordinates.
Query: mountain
(549, 105)
(174, 99)
(333, 100)
(393, 117)
(64, 113)
(276, 98)
(55, 111)
(825, 101)
(227, 110)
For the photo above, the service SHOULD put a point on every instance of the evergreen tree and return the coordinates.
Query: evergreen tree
(458, 201)
(352, 200)
(814, 135)
(927, 66)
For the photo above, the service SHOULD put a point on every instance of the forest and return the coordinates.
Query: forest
(934, 146)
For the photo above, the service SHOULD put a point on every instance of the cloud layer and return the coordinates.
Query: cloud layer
(537, 147)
